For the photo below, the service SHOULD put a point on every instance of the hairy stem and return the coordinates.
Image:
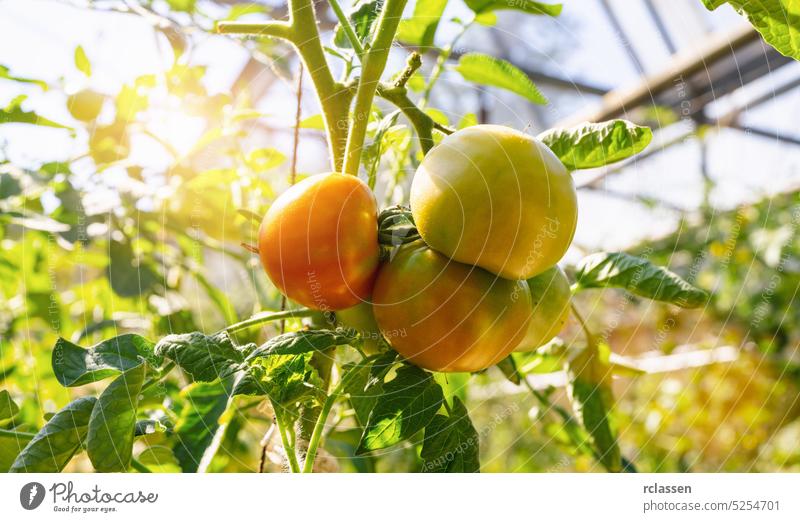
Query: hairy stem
(288, 446)
(373, 64)
(347, 27)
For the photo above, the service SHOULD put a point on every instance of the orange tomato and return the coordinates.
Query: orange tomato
(319, 241)
(447, 316)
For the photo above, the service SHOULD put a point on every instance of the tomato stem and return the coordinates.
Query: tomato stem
(348, 28)
(373, 64)
(288, 446)
(265, 317)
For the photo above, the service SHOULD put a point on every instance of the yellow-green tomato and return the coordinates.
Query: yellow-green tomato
(494, 197)
(85, 105)
(447, 316)
(550, 294)
(361, 320)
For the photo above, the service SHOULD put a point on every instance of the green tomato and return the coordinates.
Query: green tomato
(360, 319)
(550, 293)
(85, 105)
(496, 198)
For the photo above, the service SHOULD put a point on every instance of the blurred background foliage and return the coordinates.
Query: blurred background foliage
(139, 226)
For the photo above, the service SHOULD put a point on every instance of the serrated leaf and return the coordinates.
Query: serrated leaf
(8, 408)
(638, 276)
(205, 357)
(591, 397)
(593, 145)
(112, 425)
(286, 379)
(494, 72)
(420, 29)
(365, 383)
(526, 6)
(451, 444)
(55, 444)
(776, 20)
(76, 366)
(203, 405)
(408, 404)
(82, 61)
(294, 343)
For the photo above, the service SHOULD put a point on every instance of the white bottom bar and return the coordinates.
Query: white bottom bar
(118, 497)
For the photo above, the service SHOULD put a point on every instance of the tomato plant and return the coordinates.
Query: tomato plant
(381, 299)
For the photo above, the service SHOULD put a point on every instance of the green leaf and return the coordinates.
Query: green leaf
(526, 6)
(8, 408)
(13, 113)
(362, 17)
(420, 29)
(261, 160)
(778, 21)
(113, 422)
(286, 379)
(129, 276)
(205, 357)
(203, 405)
(82, 61)
(590, 393)
(639, 276)
(365, 383)
(294, 343)
(494, 72)
(55, 444)
(451, 444)
(408, 404)
(159, 459)
(371, 154)
(11, 444)
(187, 6)
(509, 368)
(315, 122)
(5, 73)
(596, 144)
(76, 366)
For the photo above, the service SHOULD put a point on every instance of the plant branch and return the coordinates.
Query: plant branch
(288, 447)
(586, 331)
(273, 28)
(422, 122)
(319, 426)
(348, 28)
(266, 317)
(373, 64)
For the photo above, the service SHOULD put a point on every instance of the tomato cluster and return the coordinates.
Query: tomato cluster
(495, 210)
